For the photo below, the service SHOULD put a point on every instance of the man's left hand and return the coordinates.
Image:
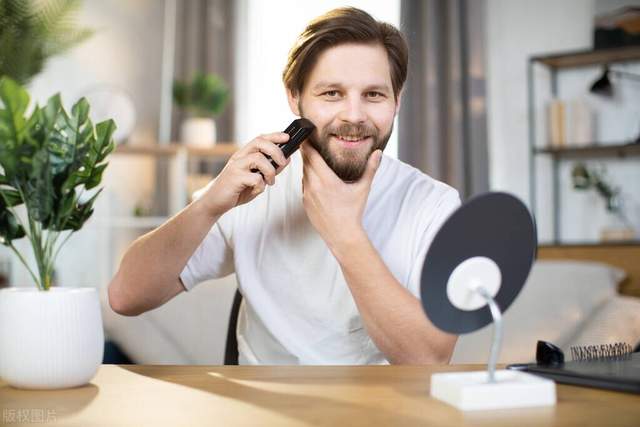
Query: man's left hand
(334, 207)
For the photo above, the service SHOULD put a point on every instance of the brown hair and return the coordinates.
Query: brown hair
(339, 26)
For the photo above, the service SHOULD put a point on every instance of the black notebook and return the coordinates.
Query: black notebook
(621, 374)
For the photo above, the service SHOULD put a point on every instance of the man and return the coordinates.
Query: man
(328, 256)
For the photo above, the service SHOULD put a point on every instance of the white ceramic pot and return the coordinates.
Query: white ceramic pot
(50, 339)
(198, 132)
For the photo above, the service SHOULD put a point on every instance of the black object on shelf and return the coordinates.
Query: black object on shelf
(603, 86)
(614, 29)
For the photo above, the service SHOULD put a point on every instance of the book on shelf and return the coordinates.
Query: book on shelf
(556, 123)
(570, 123)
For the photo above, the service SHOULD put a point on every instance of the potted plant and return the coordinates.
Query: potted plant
(203, 98)
(585, 178)
(33, 31)
(51, 163)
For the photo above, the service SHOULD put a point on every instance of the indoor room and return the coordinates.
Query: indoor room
(297, 212)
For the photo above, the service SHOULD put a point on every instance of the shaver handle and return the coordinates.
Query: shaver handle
(298, 131)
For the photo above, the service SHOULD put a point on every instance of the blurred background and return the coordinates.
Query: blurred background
(540, 99)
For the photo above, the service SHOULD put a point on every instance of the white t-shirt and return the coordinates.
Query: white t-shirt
(297, 307)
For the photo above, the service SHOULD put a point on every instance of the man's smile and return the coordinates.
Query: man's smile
(350, 141)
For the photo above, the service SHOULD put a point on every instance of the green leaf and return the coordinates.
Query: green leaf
(9, 227)
(10, 197)
(15, 101)
(81, 213)
(80, 112)
(38, 190)
(31, 31)
(96, 176)
(104, 140)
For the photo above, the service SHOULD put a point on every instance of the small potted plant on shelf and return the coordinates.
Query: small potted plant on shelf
(51, 163)
(585, 178)
(202, 99)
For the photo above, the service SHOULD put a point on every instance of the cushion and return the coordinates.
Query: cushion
(618, 320)
(558, 297)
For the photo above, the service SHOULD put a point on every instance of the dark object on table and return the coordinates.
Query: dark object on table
(610, 366)
(549, 354)
(618, 28)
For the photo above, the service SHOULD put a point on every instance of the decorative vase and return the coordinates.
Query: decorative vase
(198, 132)
(50, 339)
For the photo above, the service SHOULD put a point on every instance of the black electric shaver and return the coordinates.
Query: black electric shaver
(298, 131)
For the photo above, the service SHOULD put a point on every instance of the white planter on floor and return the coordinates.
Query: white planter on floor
(50, 339)
(198, 132)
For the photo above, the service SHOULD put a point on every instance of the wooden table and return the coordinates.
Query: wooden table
(122, 395)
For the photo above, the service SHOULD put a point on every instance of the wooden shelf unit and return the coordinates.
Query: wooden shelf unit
(179, 156)
(593, 151)
(555, 63)
(220, 150)
(584, 58)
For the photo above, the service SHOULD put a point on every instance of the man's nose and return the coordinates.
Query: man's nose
(353, 111)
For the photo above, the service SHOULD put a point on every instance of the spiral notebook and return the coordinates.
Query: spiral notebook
(621, 374)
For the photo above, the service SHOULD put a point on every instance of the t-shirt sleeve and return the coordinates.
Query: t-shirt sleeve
(448, 203)
(211, 260)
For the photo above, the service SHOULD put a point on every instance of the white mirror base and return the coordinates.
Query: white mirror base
(469, 391)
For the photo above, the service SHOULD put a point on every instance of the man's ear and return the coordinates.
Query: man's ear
(293, 102)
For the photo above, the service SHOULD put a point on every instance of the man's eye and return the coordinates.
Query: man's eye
(331, 93)
(375, 95)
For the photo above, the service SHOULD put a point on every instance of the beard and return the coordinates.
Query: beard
(348, 164)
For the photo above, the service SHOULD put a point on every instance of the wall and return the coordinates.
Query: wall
(516, 30)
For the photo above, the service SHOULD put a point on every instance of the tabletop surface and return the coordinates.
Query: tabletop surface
(137, 395)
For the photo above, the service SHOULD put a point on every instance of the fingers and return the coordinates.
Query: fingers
(372, 165)
(268, 145)
(259, 163)
(255, 182)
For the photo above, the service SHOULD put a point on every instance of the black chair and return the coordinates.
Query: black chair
(231, 348)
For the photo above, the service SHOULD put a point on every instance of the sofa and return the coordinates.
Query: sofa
(565, 302)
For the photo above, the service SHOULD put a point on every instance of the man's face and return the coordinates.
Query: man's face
(349, 97)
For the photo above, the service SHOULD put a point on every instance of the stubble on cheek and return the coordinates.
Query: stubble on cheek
(348, 164)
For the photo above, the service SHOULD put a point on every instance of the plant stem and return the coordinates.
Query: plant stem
(48, 249)
(24, 262)
(39, 253)
(34, 239)
(61, 245)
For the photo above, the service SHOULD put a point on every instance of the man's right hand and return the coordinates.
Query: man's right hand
(236, 184)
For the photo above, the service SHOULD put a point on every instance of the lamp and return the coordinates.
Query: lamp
(603, 86)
